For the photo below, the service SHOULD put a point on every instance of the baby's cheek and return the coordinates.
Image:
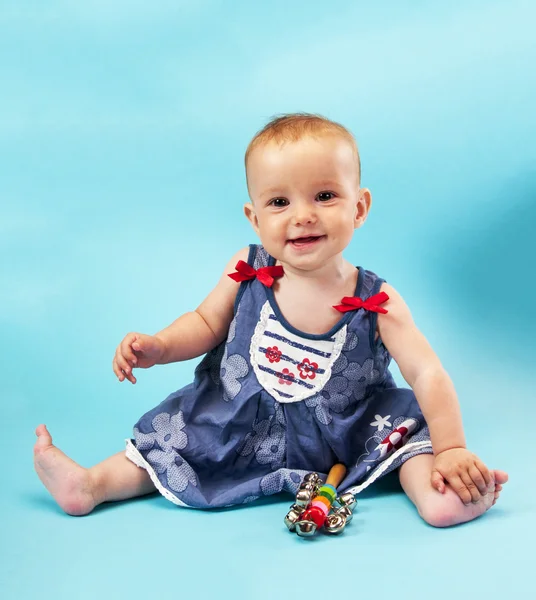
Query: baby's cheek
(271, 237)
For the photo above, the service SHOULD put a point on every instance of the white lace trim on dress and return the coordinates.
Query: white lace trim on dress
(133, 454)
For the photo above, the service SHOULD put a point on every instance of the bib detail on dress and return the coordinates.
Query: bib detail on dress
(291, 368)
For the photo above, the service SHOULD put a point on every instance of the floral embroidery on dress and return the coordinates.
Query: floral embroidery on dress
(249, 499)
(286, 377)
(178, 471)
(307, 369)
(273, 354)
(214, 360)
(211, 363)
(233, 367)
(351, 342)
(336, 394)
(282, 479)
(381, 422)
(168, 433)
(267, 440)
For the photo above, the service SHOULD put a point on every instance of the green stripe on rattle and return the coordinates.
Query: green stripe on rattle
(328, 491)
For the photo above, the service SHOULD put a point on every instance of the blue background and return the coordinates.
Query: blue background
(122, 132)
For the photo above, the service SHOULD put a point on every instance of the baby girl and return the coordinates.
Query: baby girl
(297, 343)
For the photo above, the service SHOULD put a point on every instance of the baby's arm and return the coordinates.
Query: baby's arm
(201, 330)
(436, 396)
(423, 371)
(191, 335)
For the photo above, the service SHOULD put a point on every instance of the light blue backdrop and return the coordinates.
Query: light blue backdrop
(122, 132)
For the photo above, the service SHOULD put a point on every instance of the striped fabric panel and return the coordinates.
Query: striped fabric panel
(282, 394)
(292, 364)
(289, 367)
(286, 377)
(286, 339)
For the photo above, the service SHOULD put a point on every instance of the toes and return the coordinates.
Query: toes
(41, 430)
(497, 493)
(44, 439)
(500, 476)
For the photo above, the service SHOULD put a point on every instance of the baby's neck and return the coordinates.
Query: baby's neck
(334, 273)
(306, 299)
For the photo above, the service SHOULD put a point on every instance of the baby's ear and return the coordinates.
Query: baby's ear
(251, 216)
(364, 203)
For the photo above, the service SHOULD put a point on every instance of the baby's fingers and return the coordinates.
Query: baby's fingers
(126, 348)
(131, 377)
(470, 486)
(485, 472)
(478, 479)
(460, 488)
(119, 374)
(122, 368)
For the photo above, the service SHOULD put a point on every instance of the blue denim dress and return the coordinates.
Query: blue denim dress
(272, 403)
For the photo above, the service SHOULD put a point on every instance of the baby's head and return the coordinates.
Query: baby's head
(303, 175)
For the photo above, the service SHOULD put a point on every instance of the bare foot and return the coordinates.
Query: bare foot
(69, 483)
(462, 513)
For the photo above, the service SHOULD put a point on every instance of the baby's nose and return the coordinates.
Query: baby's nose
(304, 214)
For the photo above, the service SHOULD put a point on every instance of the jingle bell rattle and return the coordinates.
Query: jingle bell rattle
(317, 505)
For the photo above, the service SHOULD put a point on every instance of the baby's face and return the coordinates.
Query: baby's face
(306, 200)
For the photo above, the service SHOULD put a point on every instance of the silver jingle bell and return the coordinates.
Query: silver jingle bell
(305, 528)
(347, 499)
(293, 515)
(310, 477)
(345, 512)
(304, 496)
(335, 523)
(311, 480)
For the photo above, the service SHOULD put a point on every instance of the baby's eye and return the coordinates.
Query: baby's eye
(278, 202)
(325, 196)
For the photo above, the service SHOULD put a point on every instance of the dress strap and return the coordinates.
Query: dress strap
(258, 268)
(258, 257)
(370, 295)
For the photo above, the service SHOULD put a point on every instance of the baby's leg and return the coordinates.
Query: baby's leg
(443, 510)
(78, 490)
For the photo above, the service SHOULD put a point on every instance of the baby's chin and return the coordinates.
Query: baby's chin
(306, 264)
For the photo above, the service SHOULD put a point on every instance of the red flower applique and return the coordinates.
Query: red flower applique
(273, 354)
(288, 379)
(307, 369)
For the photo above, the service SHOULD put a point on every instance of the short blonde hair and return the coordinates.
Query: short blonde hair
(293, 127)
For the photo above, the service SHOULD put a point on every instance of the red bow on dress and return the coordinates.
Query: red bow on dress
(372, 303)
(265, 275)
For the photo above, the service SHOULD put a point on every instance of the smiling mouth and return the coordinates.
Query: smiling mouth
(303, 241)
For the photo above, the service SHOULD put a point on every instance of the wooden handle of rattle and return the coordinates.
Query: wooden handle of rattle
(336, 475)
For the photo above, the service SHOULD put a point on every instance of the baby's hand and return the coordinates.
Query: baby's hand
(467, 475)
(137, 350)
